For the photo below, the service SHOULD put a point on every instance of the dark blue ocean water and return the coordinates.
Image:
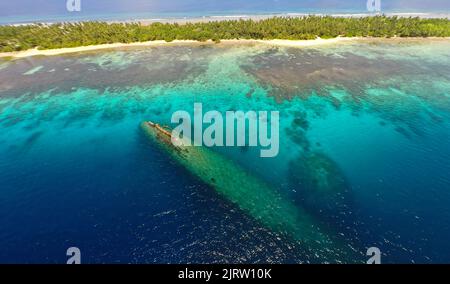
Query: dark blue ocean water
(364, 150)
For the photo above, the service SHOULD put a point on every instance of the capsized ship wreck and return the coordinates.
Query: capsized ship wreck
(252, 195)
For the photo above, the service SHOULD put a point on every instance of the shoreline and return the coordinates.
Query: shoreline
(274, 42)
(182, 19)
(259, 17)
(68, 50)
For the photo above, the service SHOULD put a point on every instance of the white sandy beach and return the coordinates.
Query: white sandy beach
(303, 43)
(218, 18)
(276, 42)
(50, 52)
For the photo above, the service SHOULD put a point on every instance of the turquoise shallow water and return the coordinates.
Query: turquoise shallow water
(363, 150)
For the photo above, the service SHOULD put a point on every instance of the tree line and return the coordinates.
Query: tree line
(43, 36)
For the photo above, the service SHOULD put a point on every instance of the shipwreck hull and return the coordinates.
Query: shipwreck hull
(249, 193)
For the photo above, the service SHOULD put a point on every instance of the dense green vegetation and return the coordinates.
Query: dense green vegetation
(15, 38)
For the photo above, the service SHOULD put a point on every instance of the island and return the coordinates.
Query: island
(91, 34)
